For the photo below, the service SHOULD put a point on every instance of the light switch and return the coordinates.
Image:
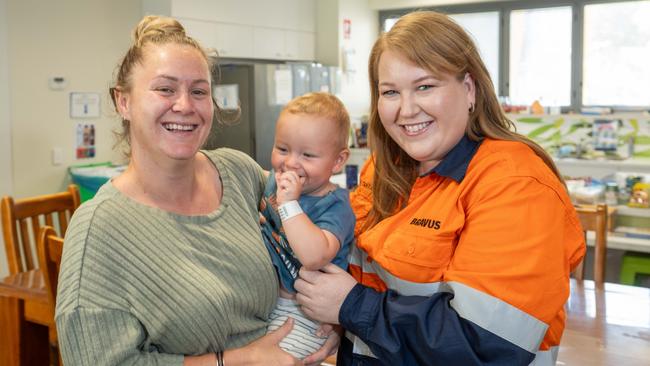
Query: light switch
(57, 156)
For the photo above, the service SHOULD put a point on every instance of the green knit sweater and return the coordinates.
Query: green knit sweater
(142, 286)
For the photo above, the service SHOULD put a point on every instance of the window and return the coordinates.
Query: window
(565, 53)
(389, 23)
(540, 56)
(616, 52)
(484, 29)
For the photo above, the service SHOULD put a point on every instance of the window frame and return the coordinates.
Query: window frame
(504, 8)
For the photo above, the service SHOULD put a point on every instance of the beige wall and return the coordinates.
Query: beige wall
(355, 91)
(5, 130)
(5, 127)
(80, 40)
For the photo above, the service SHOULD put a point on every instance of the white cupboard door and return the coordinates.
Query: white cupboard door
(269, 43)
(229, 40)
(203, 31)
(300, 45)
(234, 40)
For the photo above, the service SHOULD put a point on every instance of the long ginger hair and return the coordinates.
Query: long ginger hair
(433, 42)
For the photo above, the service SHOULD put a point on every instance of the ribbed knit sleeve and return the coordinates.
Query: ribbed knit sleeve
(95, 336)
(142, 286)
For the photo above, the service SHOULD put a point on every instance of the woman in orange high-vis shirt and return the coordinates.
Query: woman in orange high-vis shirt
(465, 233)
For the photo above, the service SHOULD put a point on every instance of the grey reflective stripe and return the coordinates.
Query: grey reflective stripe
(546, 358)
(356, 255)
(404, 287)
(358, 346)
(497, 316)
(486, 311)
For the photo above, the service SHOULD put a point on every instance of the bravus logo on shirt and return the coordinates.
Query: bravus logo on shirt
(428, 223)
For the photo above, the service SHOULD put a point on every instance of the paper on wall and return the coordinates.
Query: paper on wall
(283, 86)
(226, 96)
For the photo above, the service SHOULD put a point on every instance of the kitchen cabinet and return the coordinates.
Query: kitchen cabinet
(271, 30)
(282, 14)
(233, 40)
(229, 40)
(280, 44)
(269, 43)
(300, 45)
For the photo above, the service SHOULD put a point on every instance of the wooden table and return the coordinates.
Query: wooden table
(606, 325)
(23, 314)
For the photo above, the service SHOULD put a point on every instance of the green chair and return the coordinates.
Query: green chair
(634, 264)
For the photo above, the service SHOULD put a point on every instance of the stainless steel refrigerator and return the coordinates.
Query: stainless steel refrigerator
(262, 90)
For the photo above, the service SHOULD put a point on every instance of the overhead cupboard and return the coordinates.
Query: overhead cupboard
(273, 30)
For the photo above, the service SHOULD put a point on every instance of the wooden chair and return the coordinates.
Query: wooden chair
(18, 216)
(50, 248)
(26, 309)
(594, 218)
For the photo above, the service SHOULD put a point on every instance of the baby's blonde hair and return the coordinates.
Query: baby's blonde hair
(323, 105)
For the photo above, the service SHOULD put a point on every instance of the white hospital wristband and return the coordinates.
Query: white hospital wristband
(289, 209)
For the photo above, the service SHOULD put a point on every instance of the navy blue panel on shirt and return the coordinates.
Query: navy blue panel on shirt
(420, 330)
(455, 164)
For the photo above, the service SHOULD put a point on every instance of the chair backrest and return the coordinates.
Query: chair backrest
(22, 220)
(594, 218)
(50, 249)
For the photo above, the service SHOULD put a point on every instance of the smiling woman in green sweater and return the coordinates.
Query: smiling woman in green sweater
(166, 265)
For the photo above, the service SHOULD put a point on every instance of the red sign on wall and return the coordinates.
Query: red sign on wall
(347, 25)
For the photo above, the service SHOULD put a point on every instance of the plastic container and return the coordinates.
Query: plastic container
(351, 176)
(90, 177)
(611, 194)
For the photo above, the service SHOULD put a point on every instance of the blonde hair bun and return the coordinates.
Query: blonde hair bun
(154, 28)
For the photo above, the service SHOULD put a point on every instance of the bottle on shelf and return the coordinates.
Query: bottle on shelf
(611, 194)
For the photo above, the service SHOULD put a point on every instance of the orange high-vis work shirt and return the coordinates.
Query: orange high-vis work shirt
(502, 237)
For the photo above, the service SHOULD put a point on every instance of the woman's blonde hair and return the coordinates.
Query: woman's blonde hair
(434, 42)
(151, 30)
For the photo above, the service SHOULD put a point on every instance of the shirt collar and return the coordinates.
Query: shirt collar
(455, 164)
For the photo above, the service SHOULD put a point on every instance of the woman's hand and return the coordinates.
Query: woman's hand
(321, 293)
(264, 351)
(329, 347)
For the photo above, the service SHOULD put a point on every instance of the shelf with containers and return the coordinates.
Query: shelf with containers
(578, 150)
(607, 138)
